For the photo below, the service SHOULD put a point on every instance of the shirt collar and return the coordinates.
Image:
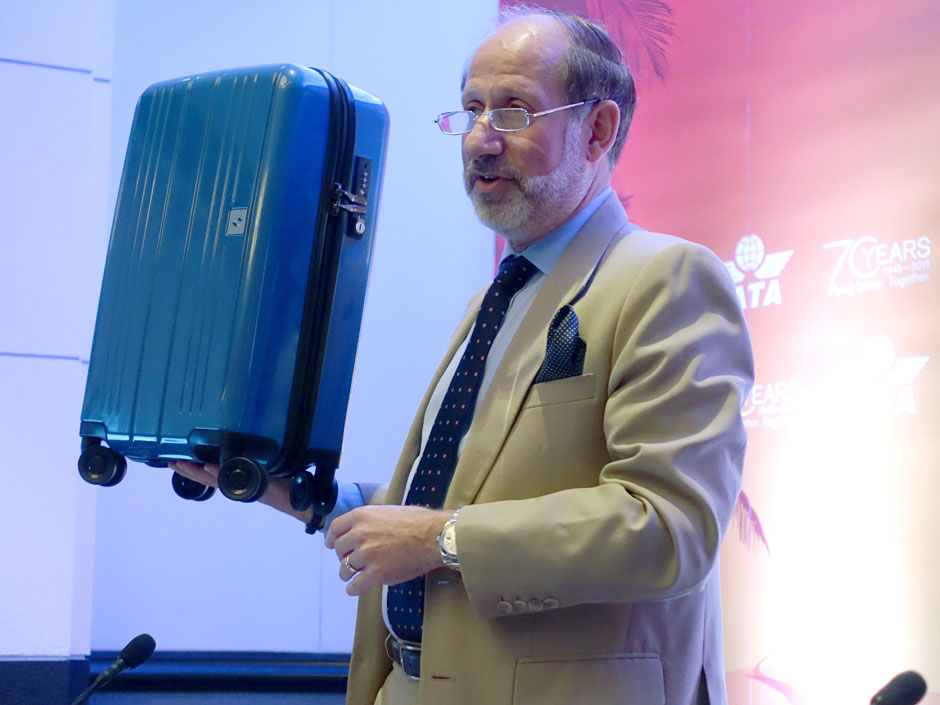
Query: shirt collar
(545, 252)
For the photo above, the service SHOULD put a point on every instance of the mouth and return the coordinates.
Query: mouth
(490, 183)
(490, 176)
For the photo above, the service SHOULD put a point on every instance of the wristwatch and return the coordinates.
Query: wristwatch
(447, 542)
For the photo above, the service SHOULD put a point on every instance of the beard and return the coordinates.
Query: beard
(535, 205)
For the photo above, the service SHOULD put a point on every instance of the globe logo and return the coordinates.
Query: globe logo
(749, 253)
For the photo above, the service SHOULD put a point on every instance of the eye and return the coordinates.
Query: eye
(520, 103)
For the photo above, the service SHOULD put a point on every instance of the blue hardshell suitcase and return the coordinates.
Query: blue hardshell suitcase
(235, 280)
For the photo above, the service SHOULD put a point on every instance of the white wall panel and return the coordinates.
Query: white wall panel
(54, 140)
(53, 147)
(45, 521)
(53, 32)
(214, 575)
(103, 66)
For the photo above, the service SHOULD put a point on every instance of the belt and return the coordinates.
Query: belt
(406, 655)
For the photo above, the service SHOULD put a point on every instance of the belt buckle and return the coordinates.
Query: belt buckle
(408, 656)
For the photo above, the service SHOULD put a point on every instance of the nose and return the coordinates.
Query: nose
(482, 139)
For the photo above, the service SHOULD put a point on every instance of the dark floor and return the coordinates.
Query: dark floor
(227, 698)
(226, 678)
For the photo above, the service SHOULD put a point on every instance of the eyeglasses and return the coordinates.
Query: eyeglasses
(460, 122)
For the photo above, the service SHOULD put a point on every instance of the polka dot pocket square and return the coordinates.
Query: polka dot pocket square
(564, 353)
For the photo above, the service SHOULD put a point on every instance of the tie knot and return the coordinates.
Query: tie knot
(514, 272)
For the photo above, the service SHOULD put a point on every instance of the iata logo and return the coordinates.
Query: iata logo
(889, 378)
(753, 262)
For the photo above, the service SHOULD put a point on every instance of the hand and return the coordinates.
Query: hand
(207, 474)
(386, 545)
(276, 495)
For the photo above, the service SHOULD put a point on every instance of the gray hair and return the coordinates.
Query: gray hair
(591, 67)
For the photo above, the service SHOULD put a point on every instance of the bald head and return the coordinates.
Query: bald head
(521, 44)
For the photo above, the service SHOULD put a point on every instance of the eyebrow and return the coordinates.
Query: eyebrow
(502, 95)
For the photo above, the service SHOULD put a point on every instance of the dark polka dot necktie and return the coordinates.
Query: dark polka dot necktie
(436, 467)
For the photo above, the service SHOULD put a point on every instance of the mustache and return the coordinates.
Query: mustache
(490, 165)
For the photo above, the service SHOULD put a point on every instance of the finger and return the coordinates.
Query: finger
(184, 466)
(348, 567)
(345, 544)
(338, 527)
(196, 472)
(354, 561)
(190, 466)
(361, 583)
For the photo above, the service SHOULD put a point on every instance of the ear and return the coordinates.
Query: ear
(602, 124)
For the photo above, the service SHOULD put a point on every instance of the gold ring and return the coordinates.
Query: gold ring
(349, 567)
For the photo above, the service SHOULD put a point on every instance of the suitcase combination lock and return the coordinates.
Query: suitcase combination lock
(356, 201)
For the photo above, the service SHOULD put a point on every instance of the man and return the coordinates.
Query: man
(605, 444)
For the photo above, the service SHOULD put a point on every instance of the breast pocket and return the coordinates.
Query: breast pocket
(560, 391)
(560, 432)
(615, 679)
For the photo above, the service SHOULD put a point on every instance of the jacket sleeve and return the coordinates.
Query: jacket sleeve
(647, 522)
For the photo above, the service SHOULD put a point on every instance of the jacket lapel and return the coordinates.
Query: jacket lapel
(513, 378)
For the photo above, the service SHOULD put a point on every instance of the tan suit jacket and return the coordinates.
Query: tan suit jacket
(594, 506)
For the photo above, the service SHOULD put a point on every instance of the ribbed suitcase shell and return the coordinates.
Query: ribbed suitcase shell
(233, 289)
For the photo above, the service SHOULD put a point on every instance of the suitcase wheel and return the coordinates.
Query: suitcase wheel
(307, 489)
(99, 465)
(242, 479)
(301, 491)
(190, 489)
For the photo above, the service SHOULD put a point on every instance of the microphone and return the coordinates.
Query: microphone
(904, 689)
(135, 653)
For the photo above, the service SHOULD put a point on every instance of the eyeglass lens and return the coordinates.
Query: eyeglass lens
(500, 118)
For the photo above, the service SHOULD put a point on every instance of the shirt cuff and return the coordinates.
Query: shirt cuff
(349, 497)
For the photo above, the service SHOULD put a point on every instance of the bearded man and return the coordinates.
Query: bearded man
(551, 532)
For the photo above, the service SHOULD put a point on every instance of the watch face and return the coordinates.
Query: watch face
(449, 539)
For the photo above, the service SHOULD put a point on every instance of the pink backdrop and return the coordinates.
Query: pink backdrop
(800, 140)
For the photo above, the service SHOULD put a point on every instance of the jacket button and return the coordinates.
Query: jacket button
(503, 607)
(520, 606)
(551, 602)
(535, 605)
